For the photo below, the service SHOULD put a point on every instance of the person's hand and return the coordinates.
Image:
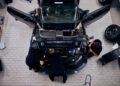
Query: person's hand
(37, 12)
(41, 62)
(92, 37)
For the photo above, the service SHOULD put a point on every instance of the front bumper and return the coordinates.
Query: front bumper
(57, 39)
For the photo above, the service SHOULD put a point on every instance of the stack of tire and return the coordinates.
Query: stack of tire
(112, 33)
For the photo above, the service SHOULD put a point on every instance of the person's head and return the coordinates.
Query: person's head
(51, 50)
(96, 45)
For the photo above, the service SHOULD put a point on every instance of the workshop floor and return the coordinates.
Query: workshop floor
(17, 36)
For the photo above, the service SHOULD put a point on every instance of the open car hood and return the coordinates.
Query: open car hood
(58, 17)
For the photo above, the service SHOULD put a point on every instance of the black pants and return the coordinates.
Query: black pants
(55, 67)
(33, 58)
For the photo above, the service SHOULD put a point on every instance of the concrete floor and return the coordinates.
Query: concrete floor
(17, 37)
(115, 10)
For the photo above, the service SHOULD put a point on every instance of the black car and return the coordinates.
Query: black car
(60, 25)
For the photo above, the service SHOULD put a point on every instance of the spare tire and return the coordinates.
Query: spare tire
(112, 33)
(105, 2)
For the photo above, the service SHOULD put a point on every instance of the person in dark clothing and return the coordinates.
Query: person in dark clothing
(54, 65)
(33, 58)
(95, 48)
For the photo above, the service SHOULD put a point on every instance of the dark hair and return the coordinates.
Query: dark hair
(96, 46)
(98, 41)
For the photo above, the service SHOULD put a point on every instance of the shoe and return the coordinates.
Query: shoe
(64, 77)
(51, 78)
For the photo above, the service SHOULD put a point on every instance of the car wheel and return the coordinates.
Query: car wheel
(112, 33)
(105, 2)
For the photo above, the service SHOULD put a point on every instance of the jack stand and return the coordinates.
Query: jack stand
(87, 80)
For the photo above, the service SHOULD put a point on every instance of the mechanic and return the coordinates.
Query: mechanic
(54, 65)
(33, 59)
(51, 63)
(94, 48)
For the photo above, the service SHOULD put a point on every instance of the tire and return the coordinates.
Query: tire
(112, 33)
(105, 2)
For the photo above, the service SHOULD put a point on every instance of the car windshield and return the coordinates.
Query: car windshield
(58, 14)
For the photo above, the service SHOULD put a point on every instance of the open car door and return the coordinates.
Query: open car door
(21, 16)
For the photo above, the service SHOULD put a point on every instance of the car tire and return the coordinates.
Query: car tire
(112, 33)
(105, 2)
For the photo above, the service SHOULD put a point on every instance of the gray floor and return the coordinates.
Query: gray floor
(17, 36)
(115, 10)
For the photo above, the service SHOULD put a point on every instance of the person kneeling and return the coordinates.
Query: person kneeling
(33, 59)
